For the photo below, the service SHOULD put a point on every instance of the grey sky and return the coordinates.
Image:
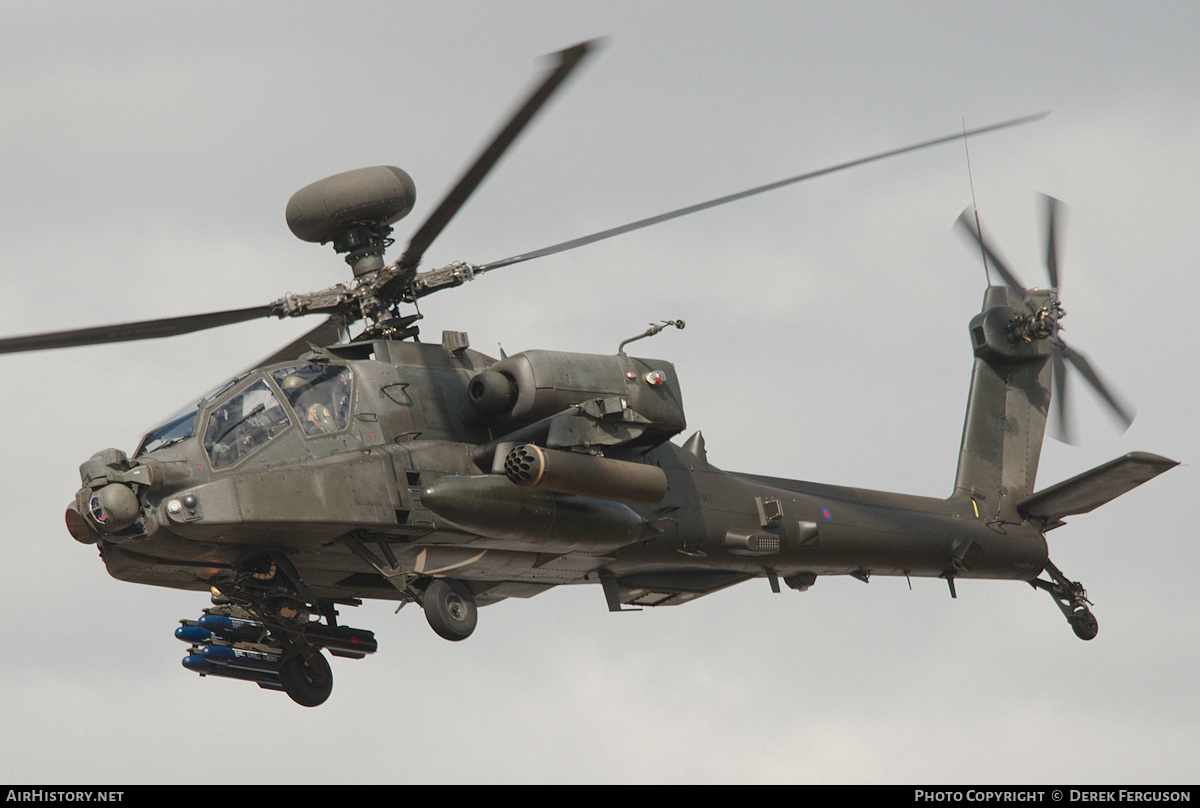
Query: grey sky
(149, 150)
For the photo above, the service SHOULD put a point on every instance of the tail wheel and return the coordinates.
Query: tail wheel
(1084, 624)
(1071, 600)
(450, 609)
(307, 681)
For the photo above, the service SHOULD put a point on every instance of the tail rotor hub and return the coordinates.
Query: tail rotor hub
(1042, 324)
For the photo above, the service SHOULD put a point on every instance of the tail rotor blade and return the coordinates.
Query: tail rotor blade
(966, 222)
(1054, 214)
(1042, 322)
(1062, 420)
(1123, 411)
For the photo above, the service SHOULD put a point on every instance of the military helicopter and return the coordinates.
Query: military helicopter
(390, 468)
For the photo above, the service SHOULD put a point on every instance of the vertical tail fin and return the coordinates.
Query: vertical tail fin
(1006, 409)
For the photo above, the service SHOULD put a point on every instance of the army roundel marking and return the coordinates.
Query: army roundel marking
(97, 511)
(827, 514)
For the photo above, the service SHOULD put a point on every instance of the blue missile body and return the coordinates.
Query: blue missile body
(227, 626)
(193, 634)
(239, 657)
(194, 662)
(200, 665)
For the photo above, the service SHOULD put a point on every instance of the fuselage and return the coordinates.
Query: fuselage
(385, 460)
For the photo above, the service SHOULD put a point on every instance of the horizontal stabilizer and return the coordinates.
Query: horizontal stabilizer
(1092, 489)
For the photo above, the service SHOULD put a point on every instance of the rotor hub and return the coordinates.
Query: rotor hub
(1042, 324)
(365, 244)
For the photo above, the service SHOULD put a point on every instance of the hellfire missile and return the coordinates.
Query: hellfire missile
(239, 657)
(200, 665)
(230, 626)
(190, 632)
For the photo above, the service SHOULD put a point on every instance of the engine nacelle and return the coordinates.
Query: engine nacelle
(532, 385)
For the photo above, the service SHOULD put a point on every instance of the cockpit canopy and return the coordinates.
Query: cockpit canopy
(242, 424)
(318, 394)
(242, 417)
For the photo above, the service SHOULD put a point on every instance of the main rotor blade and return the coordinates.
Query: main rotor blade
(437, 221)
(1123, 411)
(616, 231)
(966, 221)
(127, 332)
(1054, 210)
(326, 334)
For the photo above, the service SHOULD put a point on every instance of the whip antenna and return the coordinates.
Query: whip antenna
(978, 228)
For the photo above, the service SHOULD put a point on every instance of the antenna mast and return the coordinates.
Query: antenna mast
(978, 228)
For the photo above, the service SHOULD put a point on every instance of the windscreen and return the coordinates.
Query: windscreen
(242, 424)
(318, 394)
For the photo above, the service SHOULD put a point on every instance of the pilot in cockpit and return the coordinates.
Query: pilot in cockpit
(312, 404)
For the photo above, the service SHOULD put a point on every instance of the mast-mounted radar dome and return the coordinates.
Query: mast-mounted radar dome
(354, 210)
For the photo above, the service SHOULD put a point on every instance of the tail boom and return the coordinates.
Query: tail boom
(1006, 410)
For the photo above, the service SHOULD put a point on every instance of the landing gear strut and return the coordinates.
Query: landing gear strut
(449, 604)
(1072, 601)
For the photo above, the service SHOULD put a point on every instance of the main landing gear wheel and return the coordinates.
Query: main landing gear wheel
(450, 609)
(307, 681)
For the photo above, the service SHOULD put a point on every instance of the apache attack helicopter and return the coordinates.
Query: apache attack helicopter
(386, 467)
